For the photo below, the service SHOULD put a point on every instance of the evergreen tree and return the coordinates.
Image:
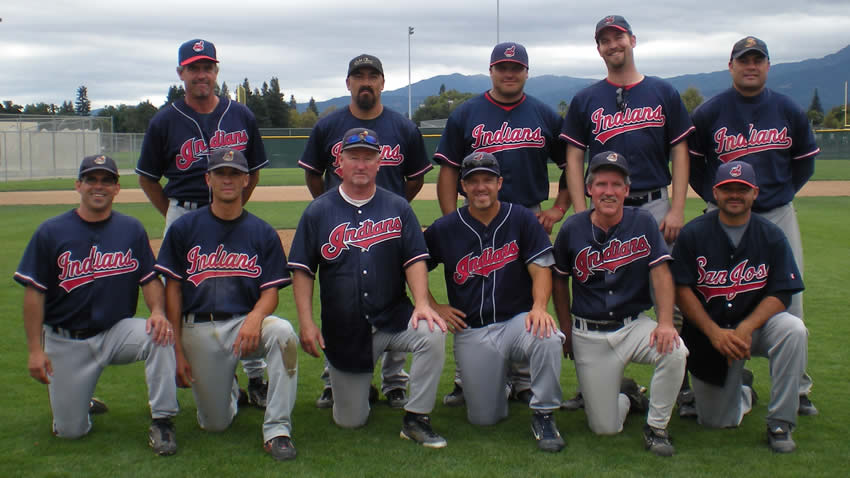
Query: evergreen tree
(691, 98)
(276, 108)
(67, 108)
(82, 105)
(815, 104)
(293, 105)
(175, 92)
(225, 92)
(312, 107)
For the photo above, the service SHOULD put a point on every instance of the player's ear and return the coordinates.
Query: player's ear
(501, 180)
(207, 179)
(347, 83)
(633, 40)
(756, 193)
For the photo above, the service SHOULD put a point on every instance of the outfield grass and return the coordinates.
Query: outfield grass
(117, 444)
(833, 169)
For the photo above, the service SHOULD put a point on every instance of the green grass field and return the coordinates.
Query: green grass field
(838, 169)
(117, 444)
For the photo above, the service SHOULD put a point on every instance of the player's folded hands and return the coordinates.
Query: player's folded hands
(729, 344)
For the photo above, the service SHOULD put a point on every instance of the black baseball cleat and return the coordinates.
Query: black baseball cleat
(280, 448)
(455, 398)
(779, 439)
(658, 441)
(326, 399)
(546, 432)
(162, 437)
(416, 427)
(397, 398)
(638, 402)
(575, 403)
(806, 407)
(97, 406)
(258, 390)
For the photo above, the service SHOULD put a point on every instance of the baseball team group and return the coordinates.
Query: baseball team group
(723, 288)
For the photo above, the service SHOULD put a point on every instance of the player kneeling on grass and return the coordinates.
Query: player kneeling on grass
(82, 270)
(497, 258)
(365, 242)
(612, 269)
(223, 269)
(735, 275)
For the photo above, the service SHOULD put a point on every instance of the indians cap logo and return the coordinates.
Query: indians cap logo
(510, 52)
(609, 19)
(198, 46)
(612, 157)
(228, 156)
(750, 42)
(735, 171)
(478, 157)
(99, 160)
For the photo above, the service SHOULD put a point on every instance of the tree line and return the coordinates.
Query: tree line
(267, 103)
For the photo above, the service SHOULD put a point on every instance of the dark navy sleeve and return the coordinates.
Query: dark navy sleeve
(784, 275)
(275, 272)
(684, 261)
(256, 152)
(659, 252)
(561, 251)
(36, 263)
(534, 238)
(313, 158)
(697, 144)
(574, 130)
(679, 125)
(433, 243)
(450, 150)
(151, 160)
(416, 163)
(804, 148)
(303, 254)
(147, 263)
(169, 261)
(413, 241)
(557, 147)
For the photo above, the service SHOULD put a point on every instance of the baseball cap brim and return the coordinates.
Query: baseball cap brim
(233, 165)
(747, 50)
(98, 168)
(504, 60)
(616, 27)
(735, 180)
(197, 58)
(480, 168)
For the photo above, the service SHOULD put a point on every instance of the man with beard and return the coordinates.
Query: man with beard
(402, 171)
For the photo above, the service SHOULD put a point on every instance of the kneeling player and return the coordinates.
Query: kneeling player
(497, 258)
(735, 275)
(224, 267)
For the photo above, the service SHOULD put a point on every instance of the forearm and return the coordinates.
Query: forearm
(561, 300)
(575, 178)
(417, 279)
(174, 310)
(302, 291)
(33, 317)
(153, 190)
(253, 180)
(412, 187)
(767, 308)
(266, 304)
(315, 184)
(693, 310)
(562, 201)
(541, 285)
(447, 188)
(681, 167)
(154, 294)
(662, 287)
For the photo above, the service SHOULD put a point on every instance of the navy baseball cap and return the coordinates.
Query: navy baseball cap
(365, 61)
(98, 162)
(194, 50)
(612, 21)
(746, 45)
(509, 51)
(361, 138)
(608, 159)
(228, 158)
(479, 161)
(735, 172)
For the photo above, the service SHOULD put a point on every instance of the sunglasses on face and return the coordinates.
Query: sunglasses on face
(622, 98)
(361, 138)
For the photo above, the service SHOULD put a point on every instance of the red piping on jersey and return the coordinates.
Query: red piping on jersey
(503, 106)
(627, 87)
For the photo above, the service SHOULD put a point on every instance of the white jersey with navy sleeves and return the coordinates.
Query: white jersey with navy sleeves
(179, 140)
(653, 120)
(523, 136)
(222, 265)
(90, 272)
(610, 271)
(486, 267)
(403, 153)
(360, 254)
(768, 131)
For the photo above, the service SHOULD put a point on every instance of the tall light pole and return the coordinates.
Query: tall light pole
(409, 95)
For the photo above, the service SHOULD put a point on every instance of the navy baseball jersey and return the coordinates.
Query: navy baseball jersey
(402, 148)
(769, 131)
(90, 272)
(486, 267)
(179, 140)
(522, 136)
(652, 121)
(610, 271)
(222, 265)
(360, 254)
(729, 281)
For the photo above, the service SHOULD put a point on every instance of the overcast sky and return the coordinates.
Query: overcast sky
(126, 51)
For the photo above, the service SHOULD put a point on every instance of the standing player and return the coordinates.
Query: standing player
(365, 243)
(403, 167)
(759, 126)
(613, 269)
(641, 117)
(735, 275)
(82, 271)
(223, 269)
(497, 258)
(522, 133)
(177, 145)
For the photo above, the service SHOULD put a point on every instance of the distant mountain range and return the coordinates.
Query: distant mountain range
(797, 80)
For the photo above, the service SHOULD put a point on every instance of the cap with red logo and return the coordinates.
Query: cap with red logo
(735, 172)
(612, 21)
(194, 50)
(509, 51)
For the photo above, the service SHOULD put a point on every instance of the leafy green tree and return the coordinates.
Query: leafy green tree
(9, 107)
(82, 106)
(438, 107)
(38, 109)
(330, 109)
(835, 118)
(562, 108)
(692, 98)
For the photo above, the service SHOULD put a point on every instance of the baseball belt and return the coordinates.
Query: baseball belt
(643, 197)
(201, 317)
(78, 334)
(602, 325)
